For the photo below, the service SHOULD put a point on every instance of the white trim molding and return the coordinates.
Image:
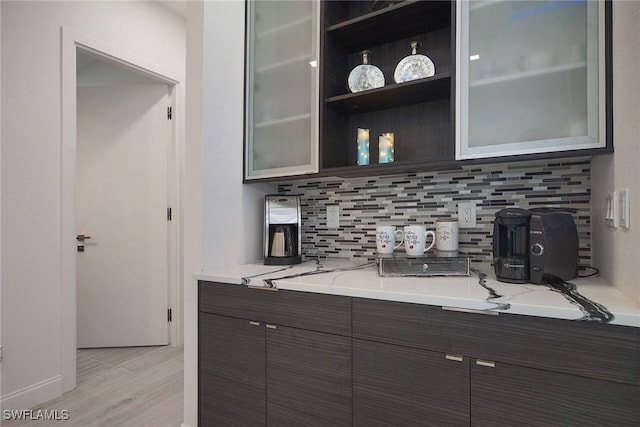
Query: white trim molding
(32, 395)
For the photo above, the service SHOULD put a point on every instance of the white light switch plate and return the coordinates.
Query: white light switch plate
(624, 208)
(611, 214)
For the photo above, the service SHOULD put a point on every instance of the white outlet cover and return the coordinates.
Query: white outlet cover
(333, 216)
(467, 215)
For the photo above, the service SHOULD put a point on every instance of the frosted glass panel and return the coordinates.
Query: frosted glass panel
(282, 109)
(283, 144)
(270, 15)
(282, 92)
(274, 47)
(529, 76)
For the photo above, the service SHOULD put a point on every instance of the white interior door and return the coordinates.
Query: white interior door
(123, 138)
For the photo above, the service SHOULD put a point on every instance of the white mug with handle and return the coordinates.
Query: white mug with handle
(386, 236)
(415, 239)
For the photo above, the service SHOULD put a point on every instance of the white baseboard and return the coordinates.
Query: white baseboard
(33, 395)
(185, 425)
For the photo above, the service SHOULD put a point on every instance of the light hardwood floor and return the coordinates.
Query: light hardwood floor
(132, 386)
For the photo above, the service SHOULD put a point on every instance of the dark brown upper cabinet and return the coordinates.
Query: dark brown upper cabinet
(419, 113)
(513, 81)
(532, 78)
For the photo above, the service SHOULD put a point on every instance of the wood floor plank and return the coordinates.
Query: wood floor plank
(152, 358)
(87, 368)
(149, 393)
(117, 356)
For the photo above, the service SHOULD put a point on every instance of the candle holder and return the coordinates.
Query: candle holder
(363, 146)
(386, 152)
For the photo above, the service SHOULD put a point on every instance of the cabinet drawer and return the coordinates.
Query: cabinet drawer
(607, 352)
(516, 396)
(412, 325)
(304, 310)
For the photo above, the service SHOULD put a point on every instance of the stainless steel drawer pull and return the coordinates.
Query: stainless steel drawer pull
(487, 363)
(271, 326)
(455, 357)
(262, 288)
(471, 310)
(254, 323)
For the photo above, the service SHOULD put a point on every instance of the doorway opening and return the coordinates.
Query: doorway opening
(122, 198)
(99, 60)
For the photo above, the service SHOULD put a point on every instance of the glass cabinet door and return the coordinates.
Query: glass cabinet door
(530, 77)
(281, 94)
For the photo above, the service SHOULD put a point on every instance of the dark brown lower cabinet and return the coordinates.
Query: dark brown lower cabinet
(507, 395)
(308, 378)
(547, 372)
(325, 360)
(275, 358)
(253, 373)
(231, 379)
(402, 386)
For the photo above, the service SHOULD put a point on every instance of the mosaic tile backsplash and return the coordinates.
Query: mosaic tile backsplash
(422, 198)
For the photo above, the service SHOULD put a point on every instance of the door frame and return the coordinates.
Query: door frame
(70, 40)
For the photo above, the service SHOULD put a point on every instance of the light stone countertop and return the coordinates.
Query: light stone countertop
(346, 278)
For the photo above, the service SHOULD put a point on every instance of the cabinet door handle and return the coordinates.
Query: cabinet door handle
(252, 323)
(471, 310)
(271, 326)
(486, 363)
(262, 288)
(455, 357)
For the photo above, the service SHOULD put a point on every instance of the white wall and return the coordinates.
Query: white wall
(615, 251)
(0, 202)
(192, 203)
(31, 169)
(232, 212)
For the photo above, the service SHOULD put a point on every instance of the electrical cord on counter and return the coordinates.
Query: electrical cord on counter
(591, 310)
(585, 267)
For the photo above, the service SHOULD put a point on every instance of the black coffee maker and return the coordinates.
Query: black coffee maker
(282, 230)
(535, 246)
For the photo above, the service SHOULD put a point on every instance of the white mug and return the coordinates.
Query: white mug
(386, 236)
(415, 239)
(447, 235)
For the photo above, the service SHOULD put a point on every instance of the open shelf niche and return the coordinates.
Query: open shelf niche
(419, 113)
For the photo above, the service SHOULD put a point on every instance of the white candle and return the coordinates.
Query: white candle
(363, 146)
(386, 151)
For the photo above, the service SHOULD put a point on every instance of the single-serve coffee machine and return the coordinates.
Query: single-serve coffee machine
(282, 230)
(535, 246)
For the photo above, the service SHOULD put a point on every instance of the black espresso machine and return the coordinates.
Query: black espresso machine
(535, 246)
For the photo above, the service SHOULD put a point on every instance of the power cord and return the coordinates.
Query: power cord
(594, 271)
